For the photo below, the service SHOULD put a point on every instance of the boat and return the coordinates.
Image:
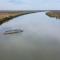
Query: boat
(13, 31)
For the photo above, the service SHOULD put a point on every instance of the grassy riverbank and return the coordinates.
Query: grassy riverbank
(55, 14)
(8, 15)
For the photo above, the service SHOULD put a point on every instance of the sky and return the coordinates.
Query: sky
(29, 4)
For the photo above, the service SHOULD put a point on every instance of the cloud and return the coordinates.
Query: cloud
(29, 4)
(16, 1)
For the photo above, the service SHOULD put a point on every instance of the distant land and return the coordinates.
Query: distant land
(6, 15)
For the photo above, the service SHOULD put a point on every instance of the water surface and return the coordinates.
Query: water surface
(40, 39)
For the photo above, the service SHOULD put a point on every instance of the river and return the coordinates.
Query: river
(40, 39)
